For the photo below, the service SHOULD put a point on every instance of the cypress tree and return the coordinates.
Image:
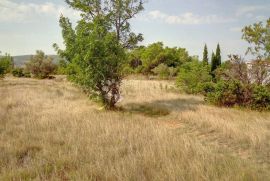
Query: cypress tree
(205, 55)
(218, 56)
(213, 62)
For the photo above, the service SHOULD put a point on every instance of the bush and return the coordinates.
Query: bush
(2, 71)
(6, 64)
(229, 93)
(127, 70)
(165, 72)
(40, 65)
(192, 77)
(261, 98)
(18, 72)
(234, 93)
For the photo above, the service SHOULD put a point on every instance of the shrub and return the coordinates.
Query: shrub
(127, 70)
(192, 77)
(6, 64)
(2, 71)
(229, 93)
(18, 72)
(261, 98)
(165, 72)
(40, 65)
(234, 93)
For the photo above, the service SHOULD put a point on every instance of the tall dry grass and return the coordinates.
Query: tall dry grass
(49, 130)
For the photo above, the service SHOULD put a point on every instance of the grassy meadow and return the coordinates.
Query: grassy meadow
(50, 130)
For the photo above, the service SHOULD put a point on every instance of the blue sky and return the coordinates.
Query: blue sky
(28, 25)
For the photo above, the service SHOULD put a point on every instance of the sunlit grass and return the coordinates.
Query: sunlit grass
(49, 130)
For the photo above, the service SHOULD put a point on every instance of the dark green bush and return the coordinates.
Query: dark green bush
(2, 71)
(229, 93)
(261, 98)
(234, 93)
(6, 64)
(18, 72)
(192, 76)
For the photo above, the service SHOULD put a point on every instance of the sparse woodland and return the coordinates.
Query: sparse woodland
(112, 109)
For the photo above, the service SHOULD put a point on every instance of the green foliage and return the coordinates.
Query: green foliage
(261, 98)
(213, 62)
(145, 59)
(236, 85)
(95, 49)
(62, 67)
(192, 77)
(218, 56)
(98, 68)
(18, 72)
(229, 93)
(216, 59)
(205, 55)
(234, 93)
(117, 14)
(258, 35)
(165, 72)
(6, 64)
(40, 65)
(2, 71)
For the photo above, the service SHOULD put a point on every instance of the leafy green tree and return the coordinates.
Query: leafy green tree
(205, 55)
(40, 65)
(156, 54)
(62, 67)
(152, 56)
(192, 76)
(7, 63)
(116, 12)
(95, 50)
(258, 35)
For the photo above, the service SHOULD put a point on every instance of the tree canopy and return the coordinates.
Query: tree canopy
(95, 50)
(258, 35)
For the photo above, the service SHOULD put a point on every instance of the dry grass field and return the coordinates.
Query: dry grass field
(49, 130)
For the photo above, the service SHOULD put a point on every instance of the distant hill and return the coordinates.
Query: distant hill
(20, 60)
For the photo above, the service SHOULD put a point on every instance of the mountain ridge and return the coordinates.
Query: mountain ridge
(20, 60)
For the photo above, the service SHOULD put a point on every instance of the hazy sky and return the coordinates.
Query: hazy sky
(28, 25)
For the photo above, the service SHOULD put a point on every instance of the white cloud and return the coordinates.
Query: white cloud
(187, 18)
(28, 12)
(261, 18)
(249, 10)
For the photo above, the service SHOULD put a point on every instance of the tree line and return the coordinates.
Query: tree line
(102, 49)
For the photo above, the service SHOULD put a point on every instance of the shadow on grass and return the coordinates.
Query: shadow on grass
(161, 108)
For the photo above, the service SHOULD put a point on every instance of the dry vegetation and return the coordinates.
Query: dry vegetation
(49, 130)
